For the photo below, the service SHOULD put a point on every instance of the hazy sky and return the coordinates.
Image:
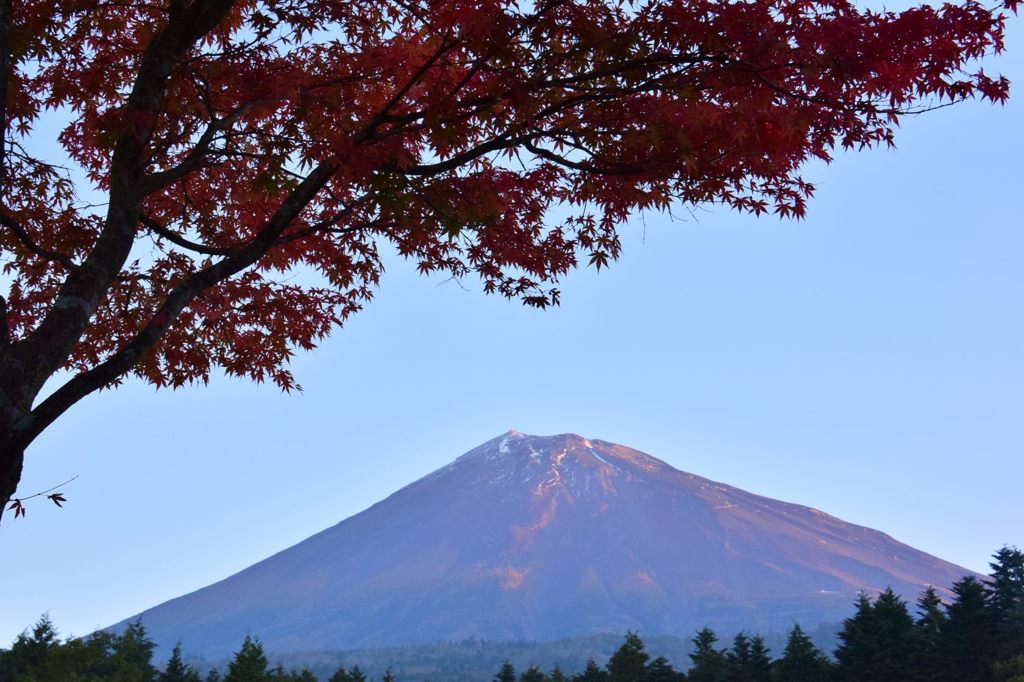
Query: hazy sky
(868, 361)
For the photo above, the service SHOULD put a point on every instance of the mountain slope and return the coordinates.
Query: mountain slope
(539, 538)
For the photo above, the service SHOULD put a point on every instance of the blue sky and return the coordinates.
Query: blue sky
(866, 361)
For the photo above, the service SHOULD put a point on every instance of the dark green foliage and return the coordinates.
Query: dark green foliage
(968, 636)
(629, 663)
(39, 656)
(877, 643)
(748, 660)
(176, 670)
(709, 664)
(354, 674)
(592, 673)
(801, 661)
(928, 656)
(249, 664)
(507, 673)
(1010, 670)
(29, 654)
(1006, 598)
(659, 670)
(533, 674)
(213, 676)
(557, 675)
(389, 676)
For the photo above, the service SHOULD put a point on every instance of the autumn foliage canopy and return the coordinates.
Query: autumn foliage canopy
(209, 150)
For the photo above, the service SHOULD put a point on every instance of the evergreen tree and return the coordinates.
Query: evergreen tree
(660, 670)
(801, 661)
(533, 674)
(738, 659)
(748, 660)
(629, 663)
(760, 667)
(1006, 598)
(176, 670)
(29, 654)
(353, 674)
(591, 673)
(388, 675)
(709, 663)
(928, 655)
(557, 675)
(213, 676)
(132, 655)
(895, 638)
(967, 637)
(249, 664)
(507, 673)
(877, 642)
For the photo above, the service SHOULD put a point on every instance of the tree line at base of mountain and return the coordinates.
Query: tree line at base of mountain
(977, 637)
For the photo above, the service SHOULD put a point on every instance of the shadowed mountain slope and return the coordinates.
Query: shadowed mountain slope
(542, 538)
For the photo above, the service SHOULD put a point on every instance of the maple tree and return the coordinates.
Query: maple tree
(211, 149)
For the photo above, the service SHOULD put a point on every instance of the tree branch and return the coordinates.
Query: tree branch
(5, 328)
(175, 238)
(196, 158)
(26, 240)
(179, 297)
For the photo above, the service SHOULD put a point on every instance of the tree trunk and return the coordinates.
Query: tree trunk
(11, 458)
(14, 406)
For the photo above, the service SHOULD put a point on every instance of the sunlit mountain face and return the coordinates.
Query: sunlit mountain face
(538, 538)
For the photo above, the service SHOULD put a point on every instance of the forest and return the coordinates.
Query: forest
(977, 636)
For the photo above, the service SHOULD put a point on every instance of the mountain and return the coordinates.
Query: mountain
(541, 538)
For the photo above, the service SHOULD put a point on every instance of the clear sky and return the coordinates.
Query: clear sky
(868, 361)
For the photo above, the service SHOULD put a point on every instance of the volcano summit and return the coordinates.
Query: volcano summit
(528, 537)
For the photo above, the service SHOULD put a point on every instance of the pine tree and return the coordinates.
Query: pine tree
(660, 670)
(388, 675)
(249, 664)
(557, 675)
(1006, 598)
(29, 654)
(709, 663)
(176, 670)
(507, 673)
(738, 659)
(591, 673)
(968, 636)
(760, 669)
(927, 660)
(353, 674)
(748, 660)
(876, 643)
(533, 674)
(896, 638)
(629, 663)
(801, 661)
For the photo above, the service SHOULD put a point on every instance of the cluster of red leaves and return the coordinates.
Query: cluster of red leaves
(451, 130)
(18, 504)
